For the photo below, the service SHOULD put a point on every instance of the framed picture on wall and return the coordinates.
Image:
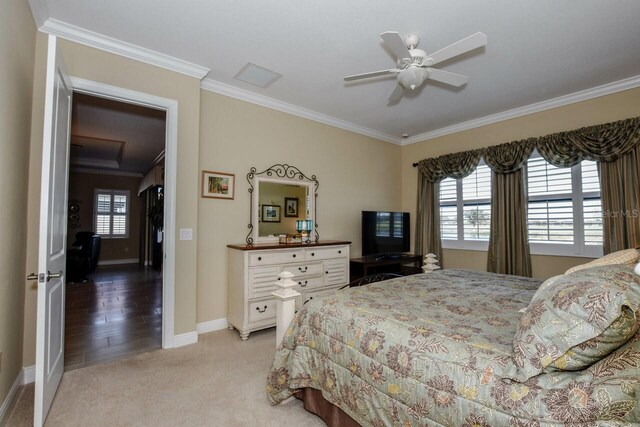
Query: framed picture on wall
(291, 207)
(270, 213)
(218, 185)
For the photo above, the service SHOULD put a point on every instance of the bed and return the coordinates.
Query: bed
(437, 349)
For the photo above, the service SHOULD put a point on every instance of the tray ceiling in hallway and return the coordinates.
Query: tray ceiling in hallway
(538, 50)
(115, 136)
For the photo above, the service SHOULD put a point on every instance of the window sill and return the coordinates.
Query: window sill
(555, 249)
(537, 249)
(466, 245)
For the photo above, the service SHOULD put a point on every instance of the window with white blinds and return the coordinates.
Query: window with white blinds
(465, 210)
(564, 212)
(112, 213)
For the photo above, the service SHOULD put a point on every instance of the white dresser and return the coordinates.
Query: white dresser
(319, 268)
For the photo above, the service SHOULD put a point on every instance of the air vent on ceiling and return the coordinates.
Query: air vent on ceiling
(256, 75)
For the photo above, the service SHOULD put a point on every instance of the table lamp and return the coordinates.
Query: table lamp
(304, 227)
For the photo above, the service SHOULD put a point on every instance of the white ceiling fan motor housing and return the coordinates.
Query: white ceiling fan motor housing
(412, 41)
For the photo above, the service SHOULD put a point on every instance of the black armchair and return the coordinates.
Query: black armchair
(82, 257)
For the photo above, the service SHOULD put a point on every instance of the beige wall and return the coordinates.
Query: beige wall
(17, 47)
(605, 109)
(355, 173)
(92, 64)
(82, 187)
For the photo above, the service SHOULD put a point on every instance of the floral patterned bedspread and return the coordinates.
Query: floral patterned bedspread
(429, 350)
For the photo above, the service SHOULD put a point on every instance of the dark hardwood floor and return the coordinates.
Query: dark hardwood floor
(118, 312)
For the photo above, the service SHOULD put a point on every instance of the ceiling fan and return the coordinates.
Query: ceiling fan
(413, 66)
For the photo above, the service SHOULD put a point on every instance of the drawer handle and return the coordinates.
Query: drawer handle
(301, 285)
(294, 255)
(259, 258)
(313, 254)
(263, 310)
(339, 252)
(305, 269)
(326, 272)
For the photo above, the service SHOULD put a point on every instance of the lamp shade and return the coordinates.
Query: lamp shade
(304, 225)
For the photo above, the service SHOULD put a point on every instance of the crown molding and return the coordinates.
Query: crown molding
(39, 11)
(594, 92)
(265, 101)
(118, 47)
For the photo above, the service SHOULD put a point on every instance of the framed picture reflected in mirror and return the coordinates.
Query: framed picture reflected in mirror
(291, 207)
(270, 213)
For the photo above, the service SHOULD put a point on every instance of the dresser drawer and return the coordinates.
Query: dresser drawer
(275, 257)
(307, 283)
(261, 281)
(306, 269)
(262, 310)
(326, 253)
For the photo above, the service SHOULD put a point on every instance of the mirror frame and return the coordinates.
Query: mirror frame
(284, 174)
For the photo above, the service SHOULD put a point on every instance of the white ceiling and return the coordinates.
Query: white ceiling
(538, 50)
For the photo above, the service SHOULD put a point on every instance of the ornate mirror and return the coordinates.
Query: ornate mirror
(280, 196)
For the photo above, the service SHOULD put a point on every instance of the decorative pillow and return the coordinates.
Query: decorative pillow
(550, 281)
(577, 321)
(625, 256)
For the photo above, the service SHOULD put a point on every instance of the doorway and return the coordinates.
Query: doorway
(114, 294)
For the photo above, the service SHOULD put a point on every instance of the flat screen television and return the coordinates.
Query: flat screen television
(385, 233)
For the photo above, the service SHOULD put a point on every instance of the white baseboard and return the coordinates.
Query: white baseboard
(185, 339)
(118, 261)
(29, 374)
(11, 397)
(212, 325)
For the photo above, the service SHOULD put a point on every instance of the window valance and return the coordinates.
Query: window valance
(605, 143)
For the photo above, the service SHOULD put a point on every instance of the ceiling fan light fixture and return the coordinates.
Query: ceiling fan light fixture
(411, 63)
(412, 77)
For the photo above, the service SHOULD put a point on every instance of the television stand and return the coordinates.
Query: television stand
(405, 264)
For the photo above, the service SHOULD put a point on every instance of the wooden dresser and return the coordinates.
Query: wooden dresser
(319, 268)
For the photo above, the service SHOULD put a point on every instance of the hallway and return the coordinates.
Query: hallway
(117, 313)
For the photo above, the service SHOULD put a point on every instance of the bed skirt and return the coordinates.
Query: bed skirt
(315, 403)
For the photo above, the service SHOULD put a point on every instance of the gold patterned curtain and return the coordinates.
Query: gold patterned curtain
(602, 143)
(508, 237)
(613, 145)
(455, 165)
(432, 171)
(428, 218)
(620, 189)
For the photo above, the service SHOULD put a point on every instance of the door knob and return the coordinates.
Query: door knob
(51, 275)
(32, 276)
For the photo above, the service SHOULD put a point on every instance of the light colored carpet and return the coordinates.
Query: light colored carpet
(219, 381)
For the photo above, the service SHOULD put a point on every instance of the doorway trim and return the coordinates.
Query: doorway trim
(170, 176)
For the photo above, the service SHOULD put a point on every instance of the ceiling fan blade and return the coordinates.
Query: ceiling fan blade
(394, 42)
(396, 94)
(371, 74)
(447, 77)
(474, 41)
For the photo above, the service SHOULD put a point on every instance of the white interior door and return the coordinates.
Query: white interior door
(53, 229)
